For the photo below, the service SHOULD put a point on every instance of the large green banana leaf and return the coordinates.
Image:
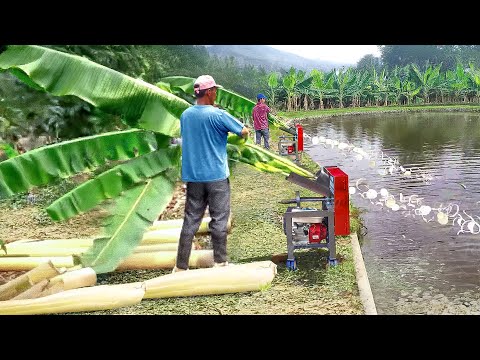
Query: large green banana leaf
(181, 86)
(139, 103)
(45, 164)
(134, 211)
(262, 159)
(237, 105)
(113, 182)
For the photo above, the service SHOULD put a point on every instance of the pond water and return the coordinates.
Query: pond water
(415, 178)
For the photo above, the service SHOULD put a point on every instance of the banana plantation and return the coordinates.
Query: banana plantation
(350, 87)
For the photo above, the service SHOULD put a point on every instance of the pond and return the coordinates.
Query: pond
(415, 177)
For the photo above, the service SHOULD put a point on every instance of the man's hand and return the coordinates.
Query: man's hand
(245, 131)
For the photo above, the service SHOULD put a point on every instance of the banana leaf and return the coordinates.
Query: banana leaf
(241, 150)
(9, 151)
(181, 86)
(134, 211)
(140, 104)
(235, 104)
(113, 182)
(61, 160)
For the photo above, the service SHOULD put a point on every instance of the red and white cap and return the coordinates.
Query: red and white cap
(205, 82)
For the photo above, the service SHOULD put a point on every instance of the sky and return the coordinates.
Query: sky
(337, 53)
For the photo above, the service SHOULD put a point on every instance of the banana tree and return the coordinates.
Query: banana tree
(273, 85)
(144, 161)
(321, 83)
(342, 79)
(427, 79)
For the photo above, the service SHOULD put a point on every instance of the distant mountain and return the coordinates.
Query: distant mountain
(270, 59)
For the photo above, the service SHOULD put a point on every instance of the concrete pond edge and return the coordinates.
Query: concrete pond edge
(364, 288)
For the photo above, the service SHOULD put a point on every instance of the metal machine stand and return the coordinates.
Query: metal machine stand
(308, 227)
(310, 216)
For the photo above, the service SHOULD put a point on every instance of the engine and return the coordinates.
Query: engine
(308, 230)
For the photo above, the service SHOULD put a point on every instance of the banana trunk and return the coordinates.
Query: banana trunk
(165, 260)
(220, 280)
(177, 224)
(43, 270)
(92, 298)
(19, 263)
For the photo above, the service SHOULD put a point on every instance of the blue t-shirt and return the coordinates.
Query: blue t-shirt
(204, 131)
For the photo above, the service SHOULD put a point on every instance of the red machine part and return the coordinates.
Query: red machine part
(317, 232)
(290, 149)
(341, 199)
(299, 137)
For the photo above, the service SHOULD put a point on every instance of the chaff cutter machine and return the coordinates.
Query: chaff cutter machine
(312, 228)
(291, 145)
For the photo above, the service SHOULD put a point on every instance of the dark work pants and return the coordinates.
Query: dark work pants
(265, 133)
(216, 195)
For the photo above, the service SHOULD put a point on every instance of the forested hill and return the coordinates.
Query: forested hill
(269, 58)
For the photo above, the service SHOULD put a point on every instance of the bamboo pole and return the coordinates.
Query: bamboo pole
(221, 280)
(43, 270)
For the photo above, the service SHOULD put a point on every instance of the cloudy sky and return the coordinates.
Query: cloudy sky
(338, 53)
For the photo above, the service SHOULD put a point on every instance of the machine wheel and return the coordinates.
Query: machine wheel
(332, 262)
(291, 264)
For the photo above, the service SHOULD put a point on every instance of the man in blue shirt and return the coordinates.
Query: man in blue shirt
(204, 130)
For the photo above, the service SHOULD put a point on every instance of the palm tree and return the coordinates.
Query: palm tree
(144, 160)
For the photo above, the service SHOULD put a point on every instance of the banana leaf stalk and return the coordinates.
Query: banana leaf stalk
(177, 224)
(32, 292)
(47, 249)
(220, 280)
(75, 279)
(163, 259)
(20, 263)
(102, 297)
(254, 276)
(166, 260)
(43, 270)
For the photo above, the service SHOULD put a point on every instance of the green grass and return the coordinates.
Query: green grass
(365, 110)
(257, 234)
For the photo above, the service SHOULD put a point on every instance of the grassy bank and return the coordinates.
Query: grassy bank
(366, 110)
(257, 234)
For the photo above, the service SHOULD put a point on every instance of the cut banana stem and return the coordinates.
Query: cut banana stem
(43, 270)
(177, 224)
(92, 298)
(219, 280)
(17, 263)
(165, 260)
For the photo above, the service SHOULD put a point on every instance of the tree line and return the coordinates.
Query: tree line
(413, 74)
